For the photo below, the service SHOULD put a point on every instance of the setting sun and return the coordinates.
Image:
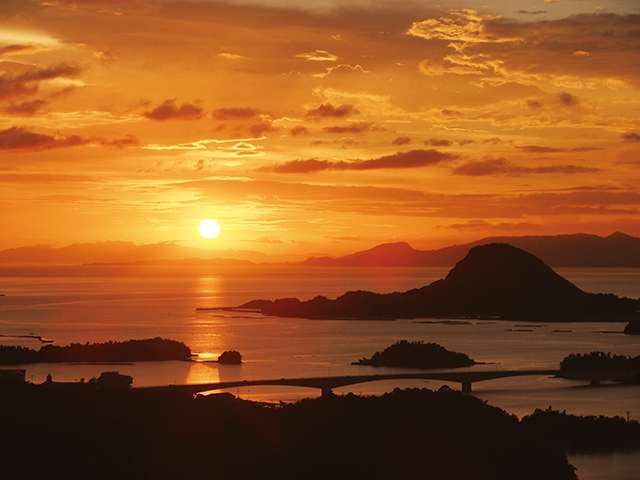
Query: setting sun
(209, 228)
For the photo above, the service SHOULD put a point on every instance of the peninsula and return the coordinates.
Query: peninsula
(496, 281)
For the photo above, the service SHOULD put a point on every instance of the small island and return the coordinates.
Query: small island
(152, 349)
(405, 354)
(230, 357)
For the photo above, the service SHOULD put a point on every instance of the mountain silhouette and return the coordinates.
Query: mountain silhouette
(576, 250)
(492, 281)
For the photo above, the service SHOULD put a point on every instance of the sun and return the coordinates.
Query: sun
(209, 228)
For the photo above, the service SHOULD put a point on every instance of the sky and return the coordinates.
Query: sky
(317, 127)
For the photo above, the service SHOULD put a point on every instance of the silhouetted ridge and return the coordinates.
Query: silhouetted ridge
(494, 280)
(502, 280)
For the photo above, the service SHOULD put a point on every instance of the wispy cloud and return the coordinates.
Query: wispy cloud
(502, 166)
(401, 160)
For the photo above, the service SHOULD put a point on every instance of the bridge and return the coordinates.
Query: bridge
(327, 384)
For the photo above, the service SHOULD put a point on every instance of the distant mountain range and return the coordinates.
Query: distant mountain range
(493, 281)
(578, 250)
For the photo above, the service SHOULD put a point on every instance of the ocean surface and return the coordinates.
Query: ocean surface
(97, 303)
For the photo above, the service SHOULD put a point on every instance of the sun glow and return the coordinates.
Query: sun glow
(209, 228)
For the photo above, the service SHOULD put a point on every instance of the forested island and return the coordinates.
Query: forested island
(153, 349)
(495, 281)
(407, 354)
(603, 362)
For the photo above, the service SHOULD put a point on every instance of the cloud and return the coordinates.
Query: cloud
(484, 225)
(344, 70)
(538, 149)
(27, 83)
(401, 141)
(17, 49)
(501, 166)
(21, 139)
(400, 160)
(260, 129)
(568, 100)
(168, 110)
(527, 12)
(465, 26)
(318, 56)
(230, 56)
(25, 109)
(435, 142)
(327, 110)
(298, 130)
(266, 239)
(631, 137)
(356, 127)
(234, 113)
(130, 141)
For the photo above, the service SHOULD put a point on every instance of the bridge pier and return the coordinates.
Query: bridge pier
(326, 392)
(466, 387)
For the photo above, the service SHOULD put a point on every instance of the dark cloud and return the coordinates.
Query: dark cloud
(451, 113)
(25, 109)
(21, 139)
(299, 130)
(400, 160)
(234, 113)
(261, 128)
(168, 110)
(401, 141)
(462, 143)
(8, 49)
(534, 104)
(26, 83)
(436, 142)
(326, 110)
(501, 166)
(130, 141)
(494, 140)
(356, 127)
(527, 12)
(631, 137)
(568, 100)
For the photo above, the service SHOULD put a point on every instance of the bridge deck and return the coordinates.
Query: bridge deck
(327, 384)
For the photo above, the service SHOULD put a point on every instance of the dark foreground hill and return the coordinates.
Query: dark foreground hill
(407, 434)
(495, 280)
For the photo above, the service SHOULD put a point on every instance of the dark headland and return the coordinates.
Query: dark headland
(492, 281)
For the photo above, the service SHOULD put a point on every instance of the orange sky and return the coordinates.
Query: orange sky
(306, 127)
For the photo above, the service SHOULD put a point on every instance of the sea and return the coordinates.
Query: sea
(64, 304)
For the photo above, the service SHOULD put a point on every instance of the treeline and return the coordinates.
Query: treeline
(581, 434)
(599, 360)
(153, 349)
(418, 354)
(406, 434)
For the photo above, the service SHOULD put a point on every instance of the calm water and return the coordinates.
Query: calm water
(99, 303)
